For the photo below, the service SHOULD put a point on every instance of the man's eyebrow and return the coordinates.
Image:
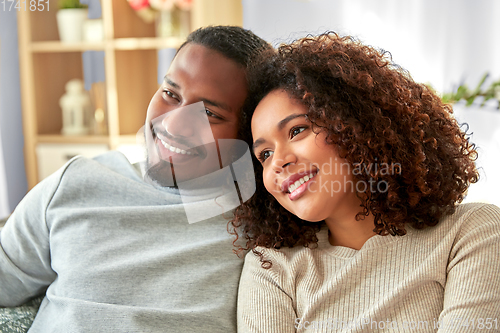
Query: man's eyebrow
(280, 126)
(168, 81)
(210, 102)
(219, 105)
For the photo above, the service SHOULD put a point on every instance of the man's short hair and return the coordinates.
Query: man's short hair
(238, 44)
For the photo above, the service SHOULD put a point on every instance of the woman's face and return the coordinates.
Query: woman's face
(301, 171)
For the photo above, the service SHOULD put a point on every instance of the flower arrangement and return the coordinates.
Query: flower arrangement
(148, 9)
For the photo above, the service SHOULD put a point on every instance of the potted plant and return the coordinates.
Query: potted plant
(471, 96)
(70, 18)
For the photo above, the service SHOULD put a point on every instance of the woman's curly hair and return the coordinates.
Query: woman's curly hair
(373, 113)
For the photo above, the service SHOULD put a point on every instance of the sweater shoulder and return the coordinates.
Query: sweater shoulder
(472, 215)
(112, 161)
(285, 259)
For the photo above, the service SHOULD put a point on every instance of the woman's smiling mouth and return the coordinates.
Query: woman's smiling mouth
(296, 184)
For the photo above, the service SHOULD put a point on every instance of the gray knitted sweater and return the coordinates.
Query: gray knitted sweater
(115, 254)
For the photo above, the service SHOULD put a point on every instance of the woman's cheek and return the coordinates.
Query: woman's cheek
(271, 184)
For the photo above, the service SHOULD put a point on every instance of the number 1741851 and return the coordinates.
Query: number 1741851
(31, 5)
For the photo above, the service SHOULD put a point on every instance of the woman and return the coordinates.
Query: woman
(355, 224)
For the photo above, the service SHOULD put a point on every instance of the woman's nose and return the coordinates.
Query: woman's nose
(283, 159)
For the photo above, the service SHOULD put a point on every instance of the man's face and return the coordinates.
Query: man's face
(184, 133)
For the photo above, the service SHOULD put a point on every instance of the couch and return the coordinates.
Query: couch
(18, 319)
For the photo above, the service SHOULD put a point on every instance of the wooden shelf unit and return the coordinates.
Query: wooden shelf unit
(130, 60)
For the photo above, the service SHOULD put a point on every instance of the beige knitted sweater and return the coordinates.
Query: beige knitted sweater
(440, 279)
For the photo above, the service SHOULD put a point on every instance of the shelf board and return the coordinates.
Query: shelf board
(83, 139)
(117, 44)
(128, 139)
(57, 46)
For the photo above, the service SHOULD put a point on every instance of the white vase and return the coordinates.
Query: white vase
(70, 24)
(173, 23)
(166, 24)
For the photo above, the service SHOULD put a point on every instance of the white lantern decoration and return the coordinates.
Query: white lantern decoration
(76, 108)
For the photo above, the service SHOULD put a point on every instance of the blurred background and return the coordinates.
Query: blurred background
(62, 96)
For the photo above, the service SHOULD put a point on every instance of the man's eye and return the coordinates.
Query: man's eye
(265, 154)
(170, 94)
(296, 131)
(210, 114)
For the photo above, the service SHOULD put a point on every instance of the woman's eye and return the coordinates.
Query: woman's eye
(265, 154)
(296, 130)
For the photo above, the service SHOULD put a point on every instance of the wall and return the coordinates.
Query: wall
(445, 42)
(14, 184)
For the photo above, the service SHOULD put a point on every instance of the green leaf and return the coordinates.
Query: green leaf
(481, 82)
(67, 4)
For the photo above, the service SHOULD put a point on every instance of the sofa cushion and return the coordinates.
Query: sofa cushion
(18, 319)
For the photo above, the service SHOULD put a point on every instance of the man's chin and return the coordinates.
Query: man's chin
(162, 174)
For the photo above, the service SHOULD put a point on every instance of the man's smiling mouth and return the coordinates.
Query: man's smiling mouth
(175, 149)
(173, 146)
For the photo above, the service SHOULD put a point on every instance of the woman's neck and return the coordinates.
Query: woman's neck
(346, 231)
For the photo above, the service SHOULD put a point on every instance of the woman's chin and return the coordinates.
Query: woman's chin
(308, 216)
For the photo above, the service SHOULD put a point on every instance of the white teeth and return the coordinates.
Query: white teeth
(175, 149)
(299, 182)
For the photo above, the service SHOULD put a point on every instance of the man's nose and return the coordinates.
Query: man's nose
(186, 121)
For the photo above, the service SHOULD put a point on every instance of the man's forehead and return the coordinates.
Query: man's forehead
(195, 58)
(202, 74)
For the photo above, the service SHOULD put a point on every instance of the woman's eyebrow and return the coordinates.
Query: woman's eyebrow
(286, 120)
(281, 124)
(257, 143)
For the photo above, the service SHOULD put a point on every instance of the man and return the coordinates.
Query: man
(115, 253)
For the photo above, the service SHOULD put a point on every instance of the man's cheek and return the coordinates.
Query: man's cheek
(151, 148)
